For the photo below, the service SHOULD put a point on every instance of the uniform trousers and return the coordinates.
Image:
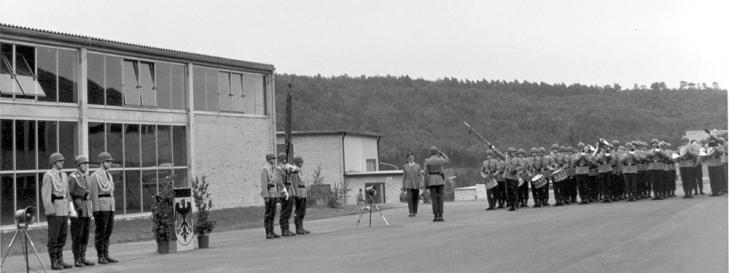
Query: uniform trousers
(572, 189)
(104, 221)
(436, 198)
(524, 193)
(604, 185)
(501, 193)
(512, 192)
(537, 195)
(300, 211)
(670, 181)
(491, 196)
(688, 179)
(80, 235)
(413, 196)
(657, 181)
(631, 185)
(699, 180)
(57, 232)
(287, 207)
(583, 186)
(558, 188)
(270, 213)
(716, 179)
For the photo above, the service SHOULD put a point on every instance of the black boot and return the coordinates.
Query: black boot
(106, 255)
(84, 261)
(59, 256)
(285, 229)
(55, 265)
(77, 261)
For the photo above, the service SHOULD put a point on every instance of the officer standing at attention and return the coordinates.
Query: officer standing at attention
(435, 180)
(101, 190)
(298, 183)
(57, 208)
(412, 182)
(269, 192)
(78, 189)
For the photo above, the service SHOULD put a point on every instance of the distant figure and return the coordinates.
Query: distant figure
(435, 180)
(360, 198)
(412, 182)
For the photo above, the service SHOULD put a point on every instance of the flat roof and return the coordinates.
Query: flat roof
(22, 33)
(316, 133)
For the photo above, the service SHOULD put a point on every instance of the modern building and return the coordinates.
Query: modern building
(157, 111)
(344, 158)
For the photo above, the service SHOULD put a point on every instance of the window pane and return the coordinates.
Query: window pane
(236, 90)
(131, 84)
(27, 190)
(181, 180)
(225, 96)
(119, 190)
(198, 88)
(163, 85)
(250, 83)
(7, 199)
(114, 81)
(8, 85)
(164, 147)
(96, 140)
(47, 75)
(258, 93)
(149, 146)
(25, 144)
(6, 144)
(131, 145)
(24, 69)
(163, 175)
(211, 88)
(46, 142)
(68, 141)
(149, 189)
(146, 79)
(68, 75)
(115, 143)
(95, 79)
(133, 191)
(179, 140)
(179, 96)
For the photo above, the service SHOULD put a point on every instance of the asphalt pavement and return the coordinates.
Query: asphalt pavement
(673, 235)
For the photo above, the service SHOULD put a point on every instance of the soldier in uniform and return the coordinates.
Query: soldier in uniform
(56, 200)
(491, 170)
(546, 172)
(571, 182)
(556, 162)
(435, 180)
(287, 202)
(582, 163)
(101, 190)
(537, 167)
(78, 189)
(525, 175)
(629, 168)
(616, 178)
(699, 185)
(644, 187)
(513, 166)
(412, 182)
(687, 158)
(605, 160)
(656, 170)
(670, 173)
(713, 162)
(270, 192)
(297, 181)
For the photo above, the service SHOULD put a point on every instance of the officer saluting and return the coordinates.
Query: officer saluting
(101, 190)
(297, 180)
(78, 188)
(435, 180)
(56, 204)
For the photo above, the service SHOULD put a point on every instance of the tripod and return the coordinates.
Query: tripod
(371, 204)
(23, 227)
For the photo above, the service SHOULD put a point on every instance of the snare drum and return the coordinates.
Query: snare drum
(559, 175)
(491, 184)
(538, 181)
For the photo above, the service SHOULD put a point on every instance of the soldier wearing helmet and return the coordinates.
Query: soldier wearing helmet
(78, 189)
(583, 162)
(513, 167)
(570, 184)
(492, 171)
(629, 168)
(687, 161)
(270, 194)
(101, 190)
(287, 199)
(525, 175)
(299, 185)
(56, 202)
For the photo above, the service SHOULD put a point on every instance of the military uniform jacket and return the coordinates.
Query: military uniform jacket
(690, 157)
(629, 163)
(269, 186)
(433, 168)
(528, 168)
(669, 162)
(296, 177)
(79, 191)
(582, 164)
(605, 163)
(284, 170)
(492, 169)
(513, 167)
(715, 159)
(101, 190)
(412, 177)
(643, 160)
(54, 193)
(655, 160)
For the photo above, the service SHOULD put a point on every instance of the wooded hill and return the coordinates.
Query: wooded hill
(414, 114)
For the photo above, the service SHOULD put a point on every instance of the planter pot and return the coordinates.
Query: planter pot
(203, 241)
(166, 247)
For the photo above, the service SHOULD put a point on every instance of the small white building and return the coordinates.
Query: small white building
(476, 192)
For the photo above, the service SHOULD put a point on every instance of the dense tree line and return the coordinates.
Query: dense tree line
(414, 114)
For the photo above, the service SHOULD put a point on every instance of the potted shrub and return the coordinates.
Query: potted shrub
(163, 219)
(203, 203)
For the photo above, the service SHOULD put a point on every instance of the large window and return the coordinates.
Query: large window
(226, 91)
(118, 81)
(25, 146)
(45, 73)
(144, 156)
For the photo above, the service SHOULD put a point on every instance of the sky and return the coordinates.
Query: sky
(554, 41)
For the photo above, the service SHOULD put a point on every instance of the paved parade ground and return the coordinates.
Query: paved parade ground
(674, 235)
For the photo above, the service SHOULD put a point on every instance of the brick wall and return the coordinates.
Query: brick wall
(230, 151)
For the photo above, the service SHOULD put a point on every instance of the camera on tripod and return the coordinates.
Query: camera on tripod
(25, 216)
